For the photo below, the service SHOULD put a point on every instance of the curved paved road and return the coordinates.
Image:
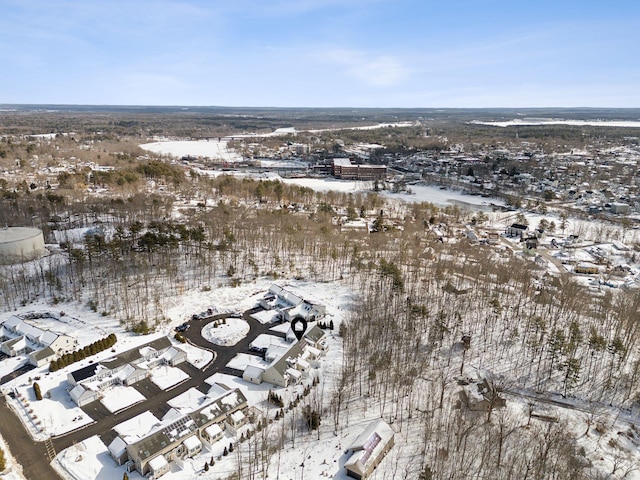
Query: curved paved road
(32, 455)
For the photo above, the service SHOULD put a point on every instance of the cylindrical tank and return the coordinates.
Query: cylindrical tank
(19, 244)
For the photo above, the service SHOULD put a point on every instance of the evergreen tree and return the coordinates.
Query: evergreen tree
(36, 390)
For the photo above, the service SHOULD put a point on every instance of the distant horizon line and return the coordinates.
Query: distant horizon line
(235, 107)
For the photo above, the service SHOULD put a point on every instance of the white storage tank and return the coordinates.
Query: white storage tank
(19, 244)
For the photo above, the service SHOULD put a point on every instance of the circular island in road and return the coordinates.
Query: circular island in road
(225, 334)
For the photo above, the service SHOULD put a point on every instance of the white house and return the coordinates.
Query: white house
(368, 449)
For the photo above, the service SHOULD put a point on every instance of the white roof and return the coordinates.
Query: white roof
(158, 462)
(213, 430)
(117, 447)
(76, 392)
(343, 162)
(237, 416)
(254, 371)
(12, 322)
(369, 445)
(192, 443)
(294, 373)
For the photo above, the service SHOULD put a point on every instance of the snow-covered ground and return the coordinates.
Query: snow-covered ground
(226, 334)
(214, 149)
(89, 459)
(419, 193)
(553, 121)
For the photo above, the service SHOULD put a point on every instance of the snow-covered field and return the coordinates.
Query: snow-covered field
(226, 334)
(553, 121)
(214, 149)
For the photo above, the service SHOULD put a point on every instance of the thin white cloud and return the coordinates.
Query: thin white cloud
(370, 69)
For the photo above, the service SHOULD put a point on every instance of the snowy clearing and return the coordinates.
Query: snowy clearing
(226, 334)
(215, 149)
(552, 121)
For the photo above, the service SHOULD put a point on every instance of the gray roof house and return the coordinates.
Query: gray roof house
(179, 437)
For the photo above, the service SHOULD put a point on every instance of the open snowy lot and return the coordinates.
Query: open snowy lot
(55, 414)
(226, 334)
(89, 459)
(214, 149)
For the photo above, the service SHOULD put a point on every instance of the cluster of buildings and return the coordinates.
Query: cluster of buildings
(288, 365)
(181, 435)
(289, 305)
(87, 384)
(17, 337)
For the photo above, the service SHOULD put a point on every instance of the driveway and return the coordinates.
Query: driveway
(32, 455)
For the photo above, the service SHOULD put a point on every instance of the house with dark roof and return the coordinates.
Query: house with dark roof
(517, 230)
(180, 437)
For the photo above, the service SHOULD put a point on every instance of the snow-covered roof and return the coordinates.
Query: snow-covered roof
(158, 463)
(237, 416)
(192, 443)
(118, 447)
(253, 371)
(213, 430)
(368, 446)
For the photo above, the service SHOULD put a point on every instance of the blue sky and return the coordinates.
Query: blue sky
(322, 53)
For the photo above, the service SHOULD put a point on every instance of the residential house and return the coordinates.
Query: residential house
(368, 449)
(289, 365)
(291, 305)
(481, 396)
(19, 338)
(517, 230)
(128, 368)
(181, 437)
